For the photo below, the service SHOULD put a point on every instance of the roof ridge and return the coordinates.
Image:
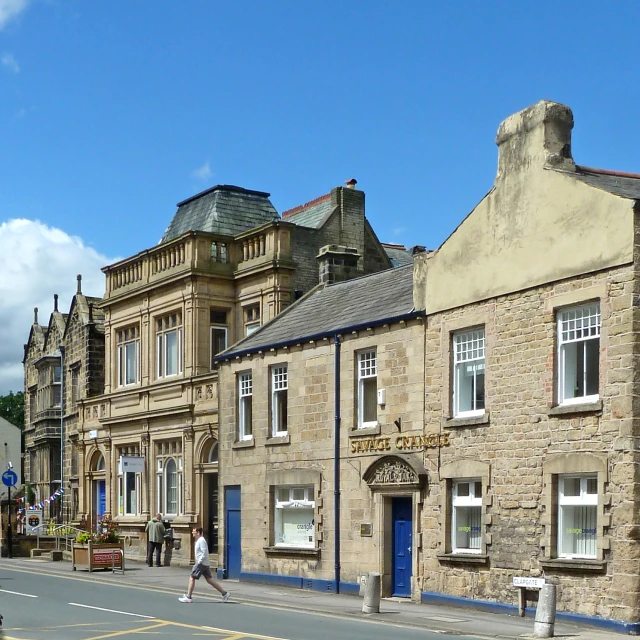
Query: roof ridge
(608, 172)
(225, 187)
(301, 207)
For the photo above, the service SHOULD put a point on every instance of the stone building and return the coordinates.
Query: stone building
(328, 395)
(519, 459)
(227, 263)
(63, 366)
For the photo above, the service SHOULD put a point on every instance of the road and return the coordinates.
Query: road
(39, 606)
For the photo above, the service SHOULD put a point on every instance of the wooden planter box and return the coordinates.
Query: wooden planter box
(94, 556)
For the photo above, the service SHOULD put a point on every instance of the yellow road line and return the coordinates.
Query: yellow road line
(115, 634)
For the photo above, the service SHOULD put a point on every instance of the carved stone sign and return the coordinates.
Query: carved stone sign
(394, 472)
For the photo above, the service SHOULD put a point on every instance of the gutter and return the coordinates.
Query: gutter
(319, 336)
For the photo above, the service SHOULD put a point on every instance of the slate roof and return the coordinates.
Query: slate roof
(398, 254)
(312, 214)
(625, 185)
(223, 209)
(362, 302)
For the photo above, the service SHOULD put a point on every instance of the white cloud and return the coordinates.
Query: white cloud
(204, 172)
(10, 9)
(37, 261)
(398, 231)
(10, 62)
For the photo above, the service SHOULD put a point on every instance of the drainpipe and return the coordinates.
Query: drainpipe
(336, 461)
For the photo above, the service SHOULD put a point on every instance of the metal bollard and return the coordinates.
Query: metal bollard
(545, 612)
(371, 602)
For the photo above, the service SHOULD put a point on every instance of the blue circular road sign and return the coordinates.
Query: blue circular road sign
(10, 478)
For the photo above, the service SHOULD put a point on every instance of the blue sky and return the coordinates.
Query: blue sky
(112, 112)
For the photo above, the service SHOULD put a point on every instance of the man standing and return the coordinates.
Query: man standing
(155, 537)
(202, 567)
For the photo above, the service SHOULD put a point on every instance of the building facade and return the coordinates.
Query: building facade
(523, 461)
(227, 263)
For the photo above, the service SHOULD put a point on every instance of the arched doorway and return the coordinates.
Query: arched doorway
(210, 474)
(97, 475)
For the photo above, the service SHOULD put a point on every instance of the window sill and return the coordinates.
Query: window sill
(577, 564)
(582, 407)
(366, 431)
(464, 558)
(471, 421)
(276, 440)
(292, 551)
(244, 444)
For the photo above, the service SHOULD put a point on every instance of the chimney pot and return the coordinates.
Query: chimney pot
(79, 278)
(35, 315)
(55, 301)
(351, 183)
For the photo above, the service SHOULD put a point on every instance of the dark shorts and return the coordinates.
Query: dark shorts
(201, 570)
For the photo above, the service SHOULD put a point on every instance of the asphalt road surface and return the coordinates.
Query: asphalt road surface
(37, 606)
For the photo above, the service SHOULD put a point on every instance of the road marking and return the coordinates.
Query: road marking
(124, 613)
(16, 593)
(241, 634)
(115, 634)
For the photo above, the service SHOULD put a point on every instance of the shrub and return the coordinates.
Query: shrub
(107, 531)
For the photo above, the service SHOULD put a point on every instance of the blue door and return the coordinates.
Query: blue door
(402, 552)
(102, 498)
(233, 539)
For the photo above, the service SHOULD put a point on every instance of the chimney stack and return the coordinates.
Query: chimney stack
(337, 263)
(79, 278)
(536, 137)
(35, 315)
(55, 302)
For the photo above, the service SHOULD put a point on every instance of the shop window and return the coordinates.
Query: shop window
(577, 516)
(367, 389)
(245, 406)
(579, 354)
(466, 525)
(468, 373)
(294, 517)
(169, 345)
(279, 392)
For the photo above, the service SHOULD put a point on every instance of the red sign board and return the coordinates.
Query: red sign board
(106, 557)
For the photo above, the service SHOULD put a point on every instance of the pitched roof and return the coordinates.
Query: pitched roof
(625, 185)
(311, 214)
(223, 209)
(398, 254)
(367, 301)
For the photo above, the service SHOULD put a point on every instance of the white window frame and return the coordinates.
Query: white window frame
(468, 351)
(162, 351)
(124, 480)
(585, 499)
(367, 363)
(470, 501)
(578, 326)
(124, 374)
(56, 386)
(289, 499)
(163, 489)
(245, 413)
(279, 387)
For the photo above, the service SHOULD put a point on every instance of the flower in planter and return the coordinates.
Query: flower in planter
(107, 532)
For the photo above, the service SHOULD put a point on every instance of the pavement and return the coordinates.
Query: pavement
(394, 611)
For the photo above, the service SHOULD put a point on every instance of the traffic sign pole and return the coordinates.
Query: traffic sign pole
(9, 532)
(9, 479)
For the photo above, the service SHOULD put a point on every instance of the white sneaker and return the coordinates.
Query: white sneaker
(185, 598)
(225, 597)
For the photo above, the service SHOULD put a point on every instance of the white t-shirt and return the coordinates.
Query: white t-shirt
(202, 552)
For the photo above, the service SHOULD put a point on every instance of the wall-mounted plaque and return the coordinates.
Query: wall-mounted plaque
(366, 529)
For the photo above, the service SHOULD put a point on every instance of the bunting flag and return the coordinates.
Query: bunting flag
(40, 505)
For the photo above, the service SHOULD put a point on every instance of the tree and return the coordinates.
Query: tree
(12, 408)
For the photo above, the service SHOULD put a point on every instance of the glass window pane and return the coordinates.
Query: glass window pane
(592, 486)
(571, 487)
(171, 350)
(468, 530)
(463, 489)
(578, 535)
(298, 493)
(370, 400)
(592, 367)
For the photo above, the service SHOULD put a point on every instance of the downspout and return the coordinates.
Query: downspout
(336, 461)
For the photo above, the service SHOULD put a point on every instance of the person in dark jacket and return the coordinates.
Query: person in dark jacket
(155, 537)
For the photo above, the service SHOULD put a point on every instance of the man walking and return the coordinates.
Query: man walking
(202, 567)
(155, 537)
